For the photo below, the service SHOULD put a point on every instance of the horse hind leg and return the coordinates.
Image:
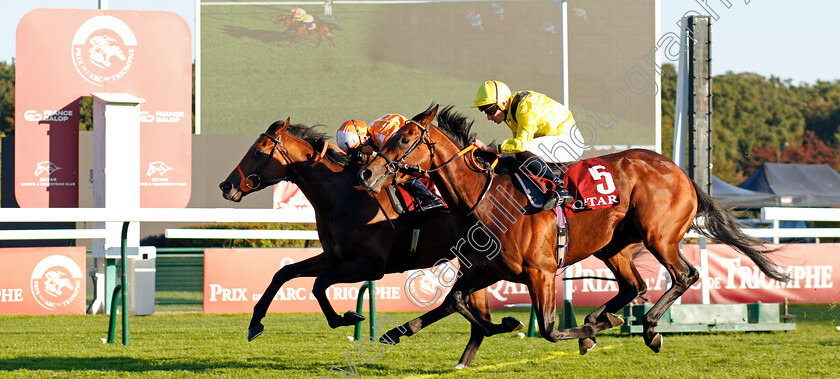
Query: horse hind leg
(463, 287)
(630, 285)
(683, 275)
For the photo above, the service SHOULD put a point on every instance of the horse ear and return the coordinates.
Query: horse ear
(284, 126)
(427, 116)
(278, 127)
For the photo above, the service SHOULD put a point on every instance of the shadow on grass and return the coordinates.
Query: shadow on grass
(281, 37)
(128, 364)
(267, 36)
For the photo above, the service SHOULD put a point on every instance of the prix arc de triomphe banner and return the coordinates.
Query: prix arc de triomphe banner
(64, 54)
(234, 279)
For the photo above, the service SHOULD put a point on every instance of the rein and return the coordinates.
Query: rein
(395, 166)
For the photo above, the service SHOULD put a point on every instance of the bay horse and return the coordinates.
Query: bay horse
(320, 28)
(358, 240)
(658, 204)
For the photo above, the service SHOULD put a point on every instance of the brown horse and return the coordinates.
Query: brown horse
(358, 240)
(658, 203)
(317, 27)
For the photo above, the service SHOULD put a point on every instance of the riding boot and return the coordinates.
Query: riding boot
(425, 199)
(534, 165)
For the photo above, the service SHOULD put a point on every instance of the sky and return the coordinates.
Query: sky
(786, 39)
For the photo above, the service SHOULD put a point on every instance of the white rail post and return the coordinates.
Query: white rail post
(116, 174)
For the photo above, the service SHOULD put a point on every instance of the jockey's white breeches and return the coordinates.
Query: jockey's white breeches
(561, 148)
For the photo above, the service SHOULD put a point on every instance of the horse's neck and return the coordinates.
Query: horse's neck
(459, 185)
(330, 188)
(320, 181)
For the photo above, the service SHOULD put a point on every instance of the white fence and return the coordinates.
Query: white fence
(196, 215)
(215, 215)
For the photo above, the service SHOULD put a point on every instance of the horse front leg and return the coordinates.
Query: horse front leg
(464, 286)
(541, 287)
(479, 304)
(392, 337)
(357, 270)
(309, 267)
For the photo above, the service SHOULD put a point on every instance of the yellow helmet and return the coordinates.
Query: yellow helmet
(492, 92)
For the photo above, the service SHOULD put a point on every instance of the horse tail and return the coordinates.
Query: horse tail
(719, 223)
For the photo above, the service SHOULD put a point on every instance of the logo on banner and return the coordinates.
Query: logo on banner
(56, 281)
(161, 116)
(157, 167)
(45, 167)
(103, 49)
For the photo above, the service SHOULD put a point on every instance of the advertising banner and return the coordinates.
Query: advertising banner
(733, 278)
(42, 280)
(235, 278)
(64, 54)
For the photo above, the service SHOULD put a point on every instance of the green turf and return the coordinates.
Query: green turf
(302, 345)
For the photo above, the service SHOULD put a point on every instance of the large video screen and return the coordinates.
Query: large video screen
(393, 57)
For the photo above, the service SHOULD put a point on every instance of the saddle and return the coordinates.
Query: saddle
(402, 200)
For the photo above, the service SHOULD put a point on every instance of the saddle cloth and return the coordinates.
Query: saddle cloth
(589, 181)
(592, 185)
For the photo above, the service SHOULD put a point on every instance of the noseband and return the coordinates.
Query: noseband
(253, 181)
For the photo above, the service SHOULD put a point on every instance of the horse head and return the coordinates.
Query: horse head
(400, 154)
(265, 164)
(284, 17)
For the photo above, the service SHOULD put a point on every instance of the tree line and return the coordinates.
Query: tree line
(755, 120)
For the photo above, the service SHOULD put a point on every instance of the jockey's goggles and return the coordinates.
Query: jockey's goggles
(489, 109)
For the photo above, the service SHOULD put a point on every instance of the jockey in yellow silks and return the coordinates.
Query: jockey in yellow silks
(543, 130)
(300, 15)
(353, 134)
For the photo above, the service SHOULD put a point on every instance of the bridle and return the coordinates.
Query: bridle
(253, 181)
(394, 166)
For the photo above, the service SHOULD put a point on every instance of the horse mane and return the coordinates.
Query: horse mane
(459, 129)
(456, 126)
(317, 139)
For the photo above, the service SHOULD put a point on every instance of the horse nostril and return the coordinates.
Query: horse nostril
(366, 174)
(225, 186)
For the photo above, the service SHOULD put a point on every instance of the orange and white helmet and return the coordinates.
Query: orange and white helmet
(385, 126)
(297, 12)
(351, 134)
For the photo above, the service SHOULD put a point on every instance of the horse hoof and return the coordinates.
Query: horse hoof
(390, 338)
(656, 343)
(352, 318)
(614, 320)
(586, 344)
(255, 331)
(460, 366)
(513, 324)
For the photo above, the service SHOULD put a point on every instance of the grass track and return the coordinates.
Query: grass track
(301, 345)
